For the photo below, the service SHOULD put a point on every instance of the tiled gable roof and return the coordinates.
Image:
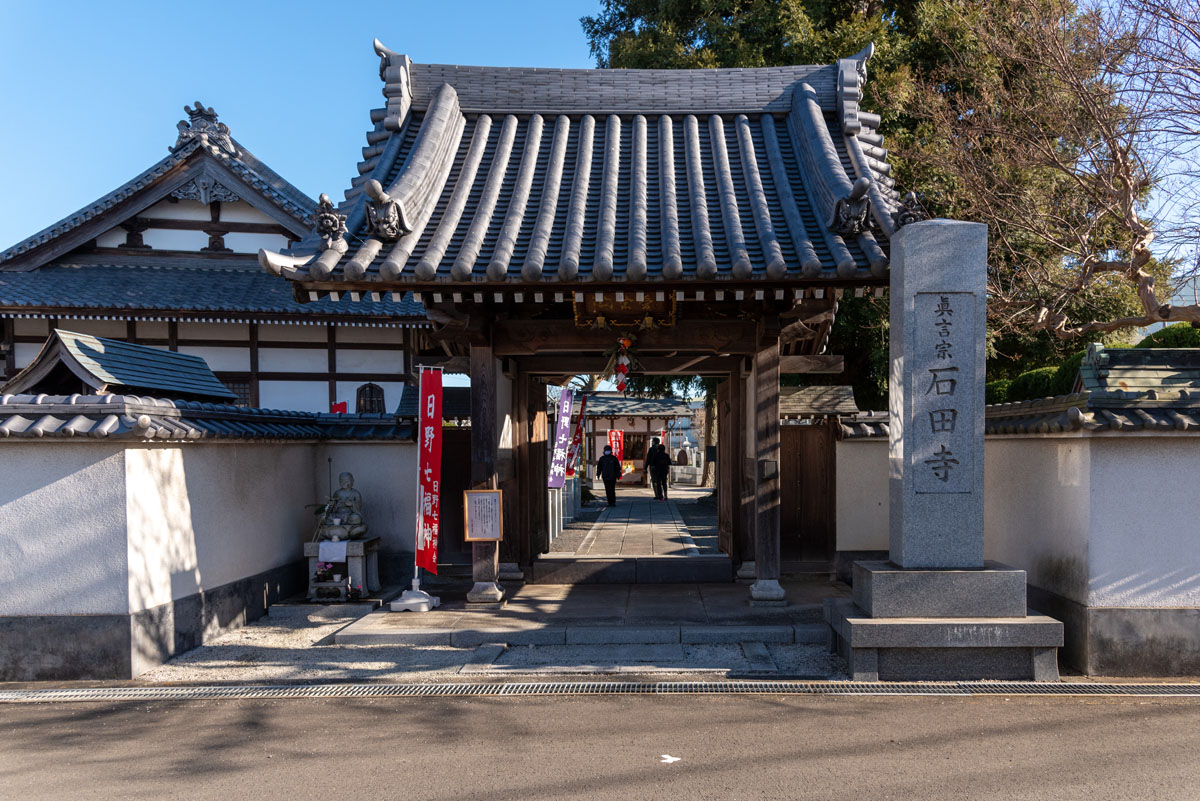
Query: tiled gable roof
(518, 176)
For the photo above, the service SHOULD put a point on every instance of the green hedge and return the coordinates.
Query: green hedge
(1033, 384)
(996, 391)
(1065, 375)
(1179, 335)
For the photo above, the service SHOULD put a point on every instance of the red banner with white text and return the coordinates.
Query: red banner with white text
(617, 440)
(429, 467)
(577, 439)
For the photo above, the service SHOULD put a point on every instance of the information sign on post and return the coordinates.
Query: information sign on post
(483, 515)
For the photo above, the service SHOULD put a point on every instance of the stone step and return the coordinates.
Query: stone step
(570, 569)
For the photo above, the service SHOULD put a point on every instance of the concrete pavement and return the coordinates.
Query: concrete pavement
(594, 747)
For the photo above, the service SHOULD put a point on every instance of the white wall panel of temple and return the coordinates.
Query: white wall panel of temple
(387, 337)
(386, 475)
(221, 359)
(278, 332)
(240, 242)
(150, 329)
(113, 329)
(1037, 509)
(183, 210)
(23, 353)
(296, 396)
(172, 239)
(204, 515)
(861, 495)
(293, 360)
(348, 391)
(212, 331)
(31, 328)
(370, 361)
(244, 212)
(1145, 541)
(62, 529)
(112, 239)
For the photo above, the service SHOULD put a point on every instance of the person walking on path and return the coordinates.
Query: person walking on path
(608, 468)
(659, 463)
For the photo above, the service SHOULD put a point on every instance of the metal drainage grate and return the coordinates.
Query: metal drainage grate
(593, 688)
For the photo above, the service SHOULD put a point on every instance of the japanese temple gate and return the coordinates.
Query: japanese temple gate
(714, 216)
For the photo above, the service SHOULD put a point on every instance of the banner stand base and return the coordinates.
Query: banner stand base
(415, 600)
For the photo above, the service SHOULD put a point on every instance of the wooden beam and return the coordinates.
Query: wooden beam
(767, 453)
(554, 365)
(532, 337)
(790, 365)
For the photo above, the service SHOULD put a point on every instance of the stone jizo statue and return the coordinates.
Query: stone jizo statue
(343, 515)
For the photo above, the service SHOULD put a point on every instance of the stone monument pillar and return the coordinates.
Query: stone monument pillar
(937, 609)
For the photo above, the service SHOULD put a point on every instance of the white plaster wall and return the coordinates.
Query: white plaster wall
(244, 212)
(386, 475)
(861, 496)
(112, 329)
(23, 353)
(112, 239)
(1036, 509)
(31, 328)
(62, 528)
(179, 210)
(151, 329)
(214, 331)
(370, 361)
(293, 360)
(296, 396)
(348, 390)
(221, 359)
(171, 239)
(1145, 528)
(278, 332)
(204, 515)
(240, 242)
(387, 337)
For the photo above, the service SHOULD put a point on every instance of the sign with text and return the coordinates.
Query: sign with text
(577, 439)
(943, 398)
(429, 469)
(616, 440)
(562, 437)
(483, 515)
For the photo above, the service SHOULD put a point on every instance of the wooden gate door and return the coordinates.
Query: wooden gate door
(808, 528)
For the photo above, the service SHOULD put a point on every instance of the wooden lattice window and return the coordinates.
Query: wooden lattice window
(241, 389)
(369, 400)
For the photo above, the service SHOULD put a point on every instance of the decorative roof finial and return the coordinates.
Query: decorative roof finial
(850, 212)
(385, 216)
(910, 211)
(202, 125)
(330, 225)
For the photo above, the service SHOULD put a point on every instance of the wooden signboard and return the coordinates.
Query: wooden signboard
(610, 312)
(483, 515)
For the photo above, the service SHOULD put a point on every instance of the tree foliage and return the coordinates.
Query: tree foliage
(1053, 122)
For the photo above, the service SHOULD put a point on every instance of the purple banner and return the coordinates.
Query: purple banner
(562, 440)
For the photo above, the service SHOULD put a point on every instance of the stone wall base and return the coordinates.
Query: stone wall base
(952, 649)
(63, 647)
(1125, 641)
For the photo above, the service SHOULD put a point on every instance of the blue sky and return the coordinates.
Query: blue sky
(92, 91)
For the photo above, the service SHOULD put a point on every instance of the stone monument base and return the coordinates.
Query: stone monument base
(942, 625)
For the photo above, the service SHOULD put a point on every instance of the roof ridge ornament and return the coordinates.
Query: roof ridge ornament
(385, 215)
(330, 225)
(850, 213)
(203, 126)
(909, 211)
(851, 77)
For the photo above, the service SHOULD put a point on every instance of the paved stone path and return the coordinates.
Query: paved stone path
(639, 526)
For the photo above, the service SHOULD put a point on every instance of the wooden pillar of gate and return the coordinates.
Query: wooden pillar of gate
(766, 588)
(743, 463)
(485, 556)
(529, 411)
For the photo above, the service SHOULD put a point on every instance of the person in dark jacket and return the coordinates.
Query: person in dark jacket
(608, 468)
(659, 463)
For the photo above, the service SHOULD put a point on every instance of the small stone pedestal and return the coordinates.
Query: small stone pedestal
(942, 624)
(362, 566)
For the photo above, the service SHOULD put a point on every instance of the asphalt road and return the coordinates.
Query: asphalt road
(531, 748)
